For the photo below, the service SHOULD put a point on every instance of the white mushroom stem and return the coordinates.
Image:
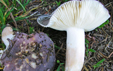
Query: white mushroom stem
(75, 49)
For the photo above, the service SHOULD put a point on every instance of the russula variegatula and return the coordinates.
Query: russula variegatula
(76, 17)
(34, 52)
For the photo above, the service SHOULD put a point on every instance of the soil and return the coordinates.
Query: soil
(100, 39)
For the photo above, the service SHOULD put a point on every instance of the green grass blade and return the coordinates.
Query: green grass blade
(58, 69)
(21, 5)
(101, 61)
(98, 64)
(104, 24)
(57, 47)
(17, 19)
(9, 13)
(31, 29)
(2, 27)
(92, 50)
(7, 2)
(87, 52)
(1, 14)
(26, 3)
(14, 1)
(2, 17)
(60, 66)
(86, 41)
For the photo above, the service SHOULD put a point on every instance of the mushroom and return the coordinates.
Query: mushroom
(28, 52)
(7, 33)
(76, 17)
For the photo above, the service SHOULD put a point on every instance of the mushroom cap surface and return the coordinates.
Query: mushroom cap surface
(7, 33)
(29, 53)
(85, 14)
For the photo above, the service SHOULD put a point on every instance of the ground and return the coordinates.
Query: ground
(100, 39)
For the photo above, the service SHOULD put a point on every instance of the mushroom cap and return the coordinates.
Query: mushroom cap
(29, 53)
(7, 33)
(84, 14)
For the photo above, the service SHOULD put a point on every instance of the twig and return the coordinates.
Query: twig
(33, 14)
(85, 68)
(59, 49)
(101, 69)
(105, 32)
(109, 42)
(108, 45)
(104, 39)
(110, 22)
(42, 29)
(36, 7)
(15, 24)
(1, 68)
(89, 67)
(110, 55)
(103, 55)
(27, 26)
(108, 4)
(88, 60)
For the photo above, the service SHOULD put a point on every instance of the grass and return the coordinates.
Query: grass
(8, 9)
(87, 49)
(9, 13)
(98, 64)
(106, 22)
(56, 47)
(59, 2)
(31, 29)
(61, 66)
